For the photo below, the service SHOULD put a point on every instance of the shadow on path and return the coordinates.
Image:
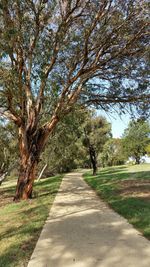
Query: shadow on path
(82, 231)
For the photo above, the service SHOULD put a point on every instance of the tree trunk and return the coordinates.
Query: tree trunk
(3, 177)
(137, 160)
(93, 158)
(25, 182)
(31, 144)
(30, 150)
(29, 157)
(41, 173)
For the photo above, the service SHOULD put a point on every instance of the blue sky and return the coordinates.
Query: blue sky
(119, 123)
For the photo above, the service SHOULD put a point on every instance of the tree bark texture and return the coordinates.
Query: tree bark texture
(31, 144)
(29, 156)
(25, 181)
(93, 158)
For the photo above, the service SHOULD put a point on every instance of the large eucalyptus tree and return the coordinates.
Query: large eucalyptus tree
(54, 52)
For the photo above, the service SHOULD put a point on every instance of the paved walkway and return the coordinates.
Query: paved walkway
(82, 231)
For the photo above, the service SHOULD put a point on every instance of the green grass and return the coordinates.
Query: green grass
(21, 223)
(127, 190)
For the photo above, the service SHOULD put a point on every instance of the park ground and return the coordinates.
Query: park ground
(125, 188)
(21, 223)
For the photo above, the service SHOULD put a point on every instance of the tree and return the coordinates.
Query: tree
(136, 139)
(63, 151)
(56, 52)
(96, 132)
(148, 149)
(8, 151)
(112, 153)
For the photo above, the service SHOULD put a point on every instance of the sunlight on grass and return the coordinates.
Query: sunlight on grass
(127, 191)
(21, 223)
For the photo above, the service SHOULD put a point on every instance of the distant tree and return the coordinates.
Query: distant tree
(64, 151)
(136, 138)
(148, 149)
(96, 132)
(112, 153)
(55, 52)
(9, 156)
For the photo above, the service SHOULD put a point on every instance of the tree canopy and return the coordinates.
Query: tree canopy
(64, 150)
(55, 53)
(96, 131)
(112, 153)
(136, 139)
(59, 47)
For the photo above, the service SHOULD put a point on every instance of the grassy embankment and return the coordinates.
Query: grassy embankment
(127, 190)
(21, 223)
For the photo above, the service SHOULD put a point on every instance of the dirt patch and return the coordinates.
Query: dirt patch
(135, 188)
(5, 198)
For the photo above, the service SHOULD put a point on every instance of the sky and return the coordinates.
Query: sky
(119, 124)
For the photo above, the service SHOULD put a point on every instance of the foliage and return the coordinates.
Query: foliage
(136, 139)
(52, 50)
(9, 149)
(55, 53)
(96, 132)
(64, 150)
(112, 153)
(126, 190)
(68, 148)
(148, 149)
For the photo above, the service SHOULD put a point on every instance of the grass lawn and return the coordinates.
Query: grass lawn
(21, 223)
(127, 190)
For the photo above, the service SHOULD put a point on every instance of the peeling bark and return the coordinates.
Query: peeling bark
(25, 182)
(31, 144)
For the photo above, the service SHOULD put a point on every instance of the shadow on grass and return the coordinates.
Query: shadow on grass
(8, 191)
(48, 184)
(48, 181)
(18, 253)
(21, 222)
(21, 240)
(137, 211)
(23, 230)
(126, 192)
(94, 239)
(117, 174)
(113, 170)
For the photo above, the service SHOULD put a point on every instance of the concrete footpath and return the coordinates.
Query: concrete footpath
(81, 231)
